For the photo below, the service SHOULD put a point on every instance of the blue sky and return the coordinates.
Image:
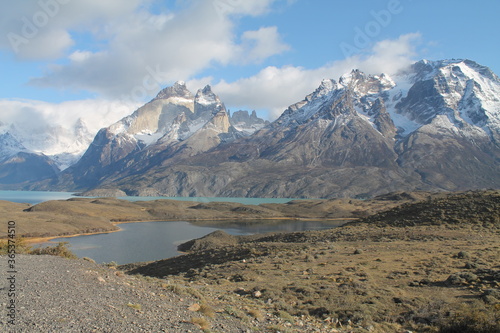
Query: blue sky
(102, 59)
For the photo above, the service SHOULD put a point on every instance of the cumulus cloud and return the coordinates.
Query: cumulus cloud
(40, 30)
(261, 44)
(274, 89)
(33, 116)
(243, 7)
(135, 50)
(57, 130)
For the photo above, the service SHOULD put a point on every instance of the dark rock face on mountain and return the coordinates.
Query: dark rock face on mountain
(25, 167)
(435, 126)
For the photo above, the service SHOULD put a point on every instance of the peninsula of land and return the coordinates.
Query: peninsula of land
(78, 216)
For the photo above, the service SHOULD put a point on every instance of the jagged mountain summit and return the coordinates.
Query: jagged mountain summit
(175, 125)
(434, 126)
(245, 122)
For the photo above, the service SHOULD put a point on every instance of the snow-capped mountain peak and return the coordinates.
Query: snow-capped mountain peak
(207, 97)
(362, 84)
(9, 146)
(178, 90)
(464, 91)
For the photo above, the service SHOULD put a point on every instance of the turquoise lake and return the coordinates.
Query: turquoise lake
(34, 197)
(147, 241)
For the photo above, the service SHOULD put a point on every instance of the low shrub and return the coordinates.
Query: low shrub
(18, 244)
(60, 250)
(21, 247)
(475, 317)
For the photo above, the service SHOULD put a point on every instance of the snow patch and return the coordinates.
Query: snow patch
(148, 138)
(206, 99)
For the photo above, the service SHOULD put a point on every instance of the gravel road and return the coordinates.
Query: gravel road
(54, 294)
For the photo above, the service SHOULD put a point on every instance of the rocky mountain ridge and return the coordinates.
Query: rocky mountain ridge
(175, 124)
(434, 126)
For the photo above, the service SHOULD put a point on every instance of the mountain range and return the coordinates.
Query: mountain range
(28, 154)
(433, 126)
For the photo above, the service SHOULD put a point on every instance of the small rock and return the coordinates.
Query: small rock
(470, 265)
(257, 294)
(461, 278)
(425, 282)
(240, 291)
(358, 251)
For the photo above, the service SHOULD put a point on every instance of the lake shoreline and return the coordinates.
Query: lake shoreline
(78, 216)
(39, 240)
(87, 216)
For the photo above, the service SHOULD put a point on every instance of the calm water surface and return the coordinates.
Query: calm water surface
(146, 241)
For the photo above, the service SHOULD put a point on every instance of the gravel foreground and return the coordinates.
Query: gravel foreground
(54, 294)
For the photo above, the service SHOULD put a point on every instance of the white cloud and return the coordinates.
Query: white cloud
(263, 43)
(40, 30)
(243, 7)
(389, 56)
(32, 115)
(134, 41)
(52, 129)
(271, 89)
(274, 89)
(79, 56)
